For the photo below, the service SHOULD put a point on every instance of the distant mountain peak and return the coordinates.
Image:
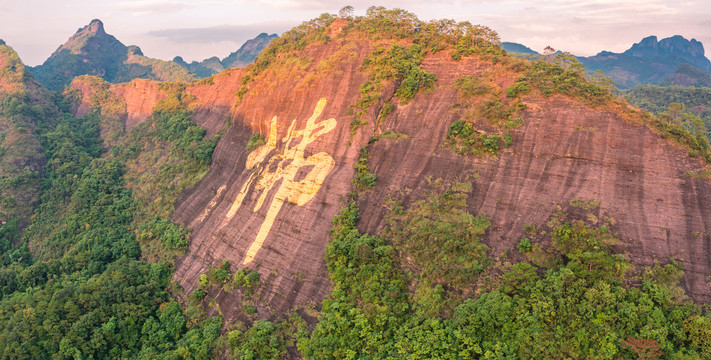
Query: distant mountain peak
(517, 48)
(95, 30)
(676, 46)
(95, 27)
(248, 51)
(240, 58)
(653, 61)
(92, 51)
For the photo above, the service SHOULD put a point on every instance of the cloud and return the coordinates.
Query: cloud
(295, 4)
(156, 7)
(216, 34)
(334, 6)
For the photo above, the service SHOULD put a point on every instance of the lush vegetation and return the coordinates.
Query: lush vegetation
(483, 119)
(562, 74)
(657, 99)
(73, 284)
(463, 139)
(684, 128)
(22, 113)
(364, 179)
(396, 63)
(164, 156)
(91, 275)
(570, 298)
(440, 236)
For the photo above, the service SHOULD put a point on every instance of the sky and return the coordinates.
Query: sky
(197, 30)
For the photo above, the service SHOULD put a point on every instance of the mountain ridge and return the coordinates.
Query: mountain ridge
(91, 51)
(244, 56)
(517, 48)
(650, 61)
(21, 157)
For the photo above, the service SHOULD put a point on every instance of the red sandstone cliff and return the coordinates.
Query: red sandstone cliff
(270, 209)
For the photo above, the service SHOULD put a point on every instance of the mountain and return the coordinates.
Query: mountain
(24, 107)
(248, 51)
(203, 69)
(517, 48)
(689, 75)
(91, 51)
(371, 186)
(650, 61)
(565, 148)
(240, 58)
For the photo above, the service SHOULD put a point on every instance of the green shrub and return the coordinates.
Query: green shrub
(252, 279)
(524, 245)
(470, 86)
(363, 180)
(563, 75)
(198, 295)
(255, 141)
(239, 279)
(464, 140)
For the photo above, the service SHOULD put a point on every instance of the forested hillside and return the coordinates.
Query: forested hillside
(371, 187)
(78, 282)
(674, 101)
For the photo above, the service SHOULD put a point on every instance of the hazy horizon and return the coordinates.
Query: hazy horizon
(198, 30)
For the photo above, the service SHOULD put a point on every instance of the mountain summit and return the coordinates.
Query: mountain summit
(649, 61)
(676, 47)
(91, 51)
(95, 27)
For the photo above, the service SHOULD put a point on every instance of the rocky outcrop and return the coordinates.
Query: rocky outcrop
(271, 209)
(638, 177)
(141, 97)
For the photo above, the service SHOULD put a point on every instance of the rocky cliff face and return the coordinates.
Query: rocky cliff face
(563, 152)
(270, 208)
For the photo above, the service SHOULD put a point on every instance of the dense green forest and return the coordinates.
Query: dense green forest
(74, 284)
(91, 276)
(673, 101)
